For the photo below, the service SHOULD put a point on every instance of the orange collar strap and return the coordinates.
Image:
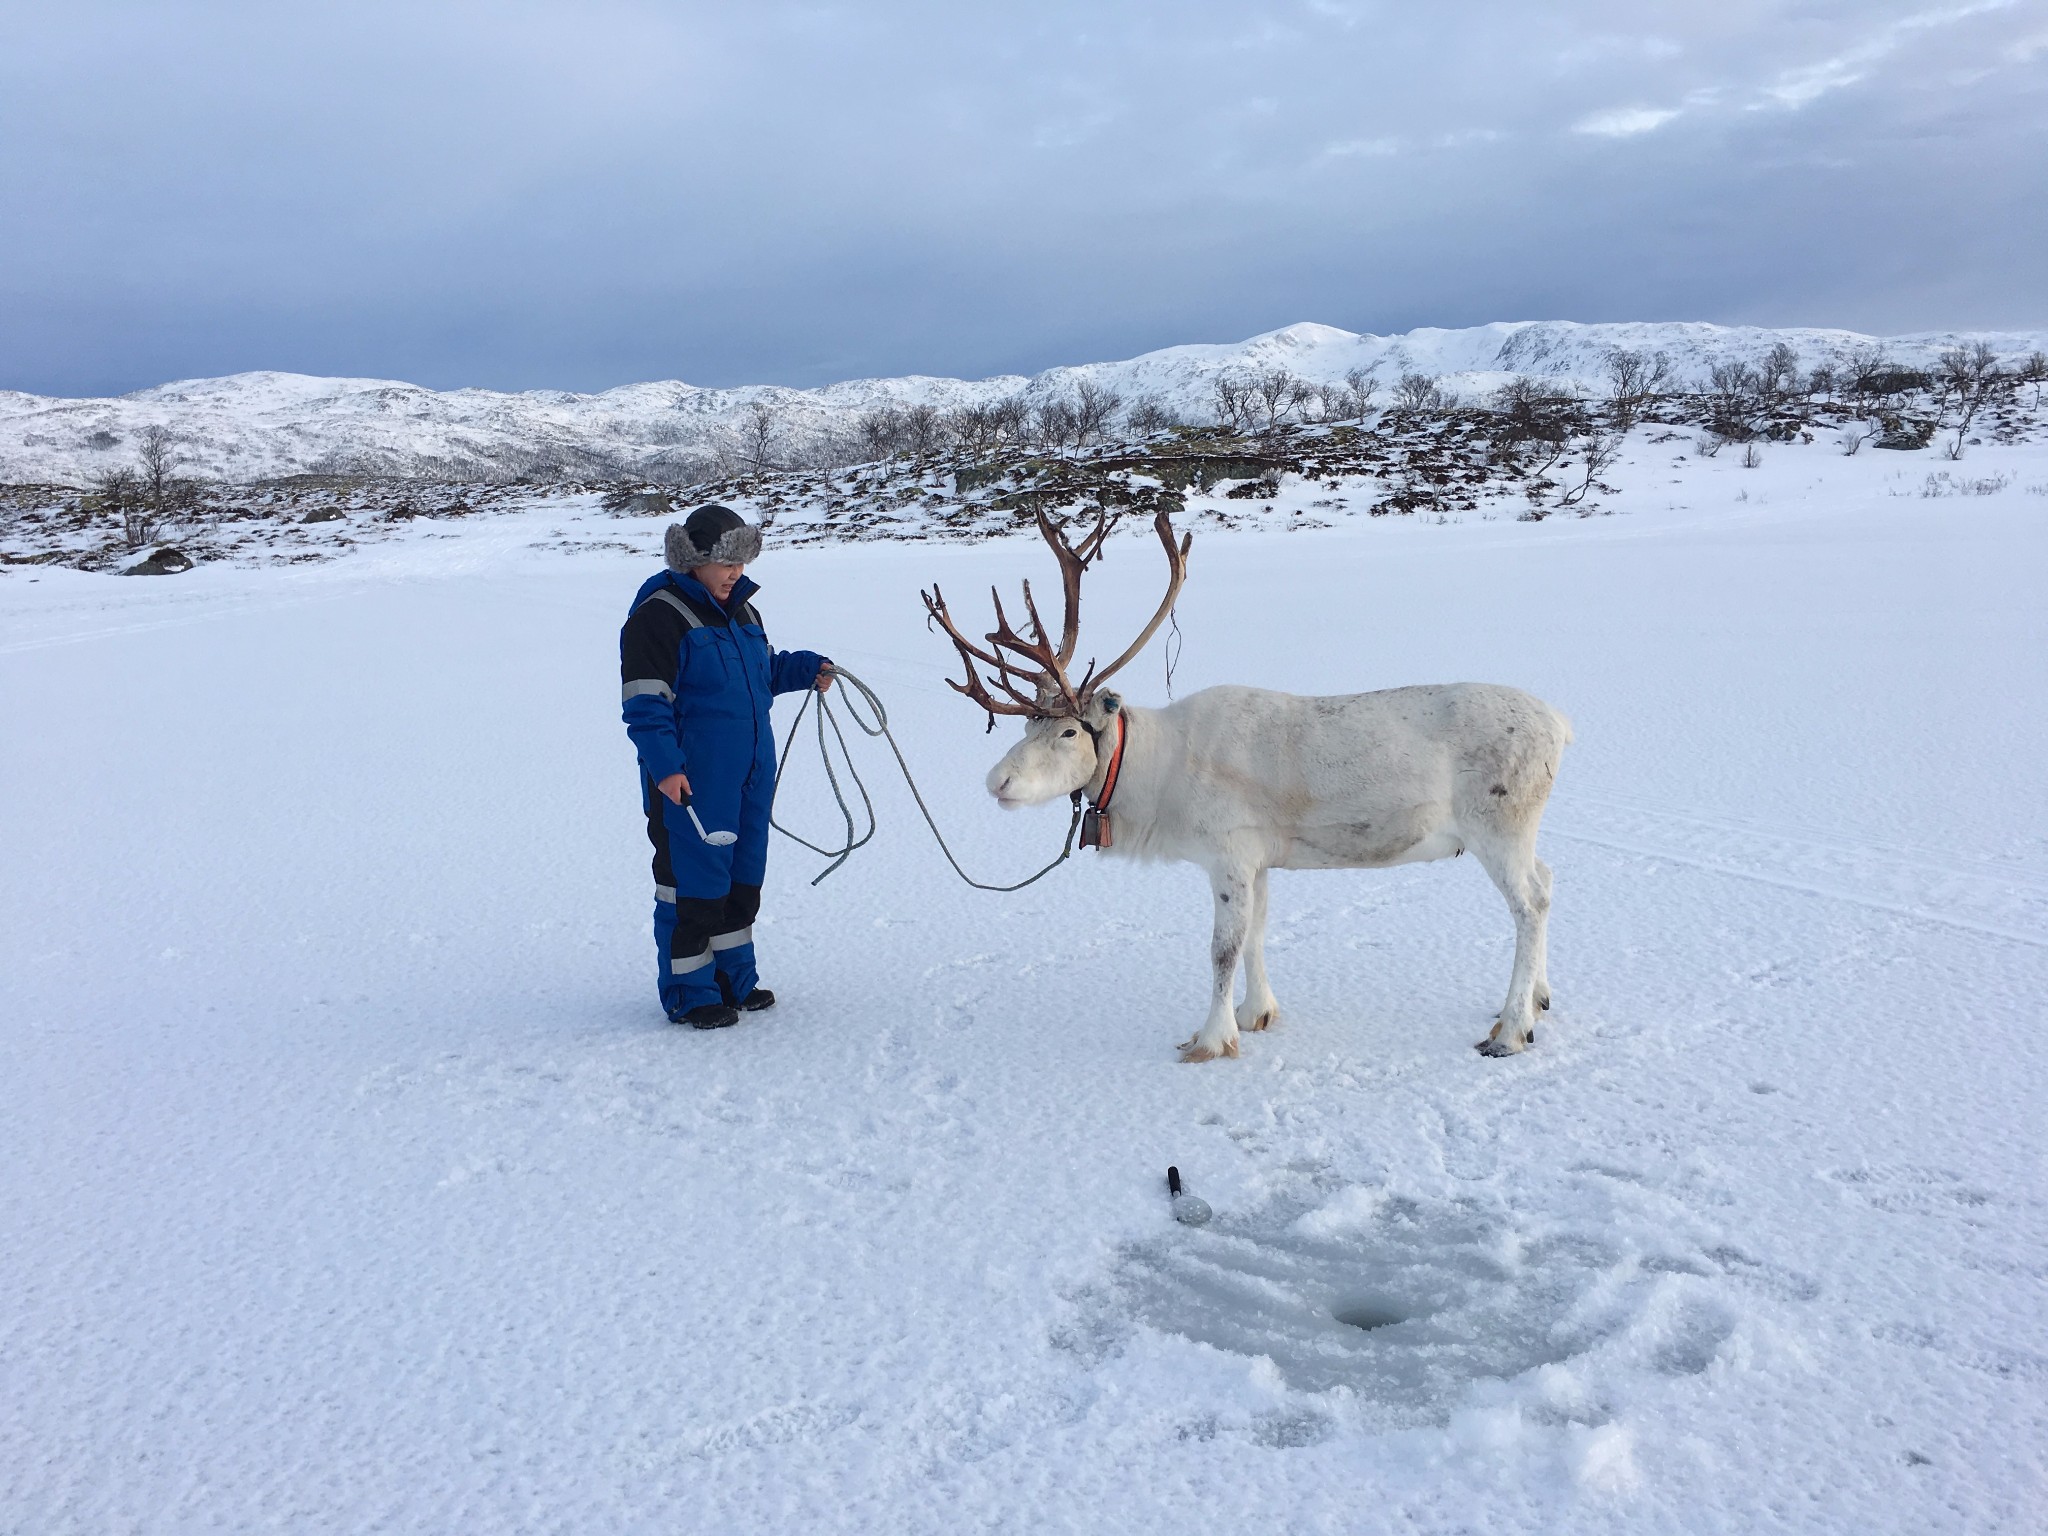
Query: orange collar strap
(1116, 766)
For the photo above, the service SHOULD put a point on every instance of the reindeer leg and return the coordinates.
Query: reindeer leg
(1259, 1009)
(1512, 864)
(1543, 938)
(1232, 890)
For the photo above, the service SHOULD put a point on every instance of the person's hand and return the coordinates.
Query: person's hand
(824, 682)
(673, 788)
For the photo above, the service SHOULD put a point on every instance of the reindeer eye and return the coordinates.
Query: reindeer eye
(1064, 734)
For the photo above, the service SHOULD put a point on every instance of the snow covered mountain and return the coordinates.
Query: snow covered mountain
(255, 426)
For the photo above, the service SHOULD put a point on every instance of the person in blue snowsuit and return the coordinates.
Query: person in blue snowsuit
(698, 676)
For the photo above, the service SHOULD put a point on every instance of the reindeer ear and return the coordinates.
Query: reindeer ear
(1110, 702)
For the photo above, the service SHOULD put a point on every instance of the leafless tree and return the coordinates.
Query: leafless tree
(157, 477)
(1360, 385)
(1235, 405)
(1600, 450)
(879, 432)
(2033, 370)
(1094, 407)
(1752, 456)
(1778, 371)
(757, 432)
(924, 430)
(1870, 377)
(975, 427)
(1053, 423)
(1148, 417)
(1420, 392)
(118, 493)
(1276, 395)
(1970, 379)
(1012, 416)
(1821, 381)
(1536, 425)
(1735, 400)
(1633, 376)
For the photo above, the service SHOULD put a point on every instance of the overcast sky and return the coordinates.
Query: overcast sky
(581, 195)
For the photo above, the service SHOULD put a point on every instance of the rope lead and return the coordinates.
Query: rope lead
(880, 728)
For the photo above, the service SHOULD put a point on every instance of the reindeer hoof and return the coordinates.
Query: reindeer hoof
(1492, 1047)
(1194, 1050)
(1543, 1001)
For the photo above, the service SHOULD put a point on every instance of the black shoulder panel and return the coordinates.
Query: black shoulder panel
(650, 643)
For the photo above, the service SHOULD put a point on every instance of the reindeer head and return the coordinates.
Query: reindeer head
(1063, 720)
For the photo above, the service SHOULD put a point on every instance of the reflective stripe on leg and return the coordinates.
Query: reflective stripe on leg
(734, 939)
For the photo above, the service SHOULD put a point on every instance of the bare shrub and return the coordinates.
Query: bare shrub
(975, 428)
(1734, 400)
(879, 432)
(1360, 385)
(1012, 416)
(1970, 378)
(1276, 395)
(1633, 377)
(1942, 483)
(1707, 444)
(2033, 370)
(1778, 372)
(1420, 392)
(1094, 407)
(1053, 423)
(1600, 450)
(1148, 417)
(758, 428)
(1235, 407)
(1752, 456)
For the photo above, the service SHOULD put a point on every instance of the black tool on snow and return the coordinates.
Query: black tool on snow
(1189, 1210)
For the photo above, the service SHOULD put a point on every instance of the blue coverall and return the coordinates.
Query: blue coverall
(698, 678)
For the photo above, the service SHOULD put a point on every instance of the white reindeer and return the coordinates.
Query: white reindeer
(1242, 780)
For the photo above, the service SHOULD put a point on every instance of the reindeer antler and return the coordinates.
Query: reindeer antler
(1177, 572)
(1015, 663)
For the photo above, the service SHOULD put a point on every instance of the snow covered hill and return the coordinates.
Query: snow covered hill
(257, 426)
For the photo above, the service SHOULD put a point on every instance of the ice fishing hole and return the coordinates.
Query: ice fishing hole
(1367, 1313)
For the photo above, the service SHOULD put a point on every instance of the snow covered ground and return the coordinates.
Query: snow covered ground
(350, 1179)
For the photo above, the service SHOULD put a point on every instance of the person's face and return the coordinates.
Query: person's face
(718, 580)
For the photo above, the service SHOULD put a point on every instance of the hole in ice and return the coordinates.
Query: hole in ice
(1401, 1303)
(1367, 1313)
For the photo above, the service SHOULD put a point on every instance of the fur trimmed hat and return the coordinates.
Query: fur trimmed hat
(711, 535)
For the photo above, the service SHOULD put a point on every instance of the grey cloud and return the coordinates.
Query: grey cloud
(580, 195)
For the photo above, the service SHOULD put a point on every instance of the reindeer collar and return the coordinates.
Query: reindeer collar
(1095, 824)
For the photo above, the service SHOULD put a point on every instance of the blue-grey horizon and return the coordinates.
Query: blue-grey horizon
(574, 197)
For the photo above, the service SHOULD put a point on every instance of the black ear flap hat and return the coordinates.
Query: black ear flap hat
(711, 535)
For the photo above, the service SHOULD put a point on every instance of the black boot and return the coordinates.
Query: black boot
(709, 1016)
(753, 1002)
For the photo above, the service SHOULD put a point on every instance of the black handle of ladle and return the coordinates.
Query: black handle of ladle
(1173, 1181)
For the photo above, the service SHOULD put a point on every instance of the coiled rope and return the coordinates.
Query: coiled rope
(856, 839)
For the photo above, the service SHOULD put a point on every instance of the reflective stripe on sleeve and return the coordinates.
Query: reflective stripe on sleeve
(734, 939)
(665, 893)
(647, 685)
